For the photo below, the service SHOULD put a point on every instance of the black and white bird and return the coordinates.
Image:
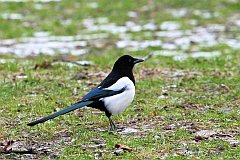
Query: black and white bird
(113, 95)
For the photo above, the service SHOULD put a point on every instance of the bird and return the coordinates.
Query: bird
(112, 96)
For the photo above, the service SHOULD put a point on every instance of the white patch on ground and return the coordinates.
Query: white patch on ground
(21, 76)
(167, 53)
(205, 14)
(182, 12)
(49, 45)
(111, 27)
(170, 34)
(206, 54)
(233, 43)
(180, 56)
(170, 25)
(41, 34)
(167, 36)
(38, 6)
(93, 5)
(132, 14)
(150, 27)
(129, 130)
(3, 61)
(138, 44)
(11, 16)
(169, 46)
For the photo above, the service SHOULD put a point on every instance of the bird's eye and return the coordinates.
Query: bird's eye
(129, 60)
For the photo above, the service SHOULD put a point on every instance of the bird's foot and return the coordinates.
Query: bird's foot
(113, 127)
(116, 128)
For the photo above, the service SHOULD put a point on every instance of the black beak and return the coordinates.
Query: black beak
(137, 60)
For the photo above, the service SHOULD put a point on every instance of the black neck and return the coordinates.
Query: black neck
(123, 72)
(115, 75)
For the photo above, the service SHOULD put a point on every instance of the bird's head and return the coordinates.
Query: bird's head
(126, 62)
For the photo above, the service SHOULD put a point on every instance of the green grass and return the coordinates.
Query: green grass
(206, 96)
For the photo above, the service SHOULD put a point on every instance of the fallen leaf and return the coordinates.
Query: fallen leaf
(2, 149)
(44, 65)
(20, 147)
(154, 113)
(224, 86)
(124, 147)
(72, 58)
(180, 151)
(80, 76)
(5, 145)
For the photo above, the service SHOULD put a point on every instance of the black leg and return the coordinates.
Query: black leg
(112, 125)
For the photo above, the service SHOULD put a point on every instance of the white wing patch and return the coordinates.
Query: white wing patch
(118, 103)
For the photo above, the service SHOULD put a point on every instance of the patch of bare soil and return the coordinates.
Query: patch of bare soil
(24, 148)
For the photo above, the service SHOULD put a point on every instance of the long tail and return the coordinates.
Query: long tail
(69, 109)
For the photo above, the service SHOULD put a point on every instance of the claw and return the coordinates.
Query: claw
(113, 127)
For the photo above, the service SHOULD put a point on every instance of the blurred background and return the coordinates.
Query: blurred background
(179, 29)
(188, 93)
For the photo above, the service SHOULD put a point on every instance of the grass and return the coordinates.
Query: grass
(205, 96)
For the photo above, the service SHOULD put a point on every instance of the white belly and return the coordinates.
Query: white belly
(118, 103)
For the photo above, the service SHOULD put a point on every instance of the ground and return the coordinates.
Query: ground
(187, 90)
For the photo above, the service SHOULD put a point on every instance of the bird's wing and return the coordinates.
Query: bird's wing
(93, 95)
(100, 92)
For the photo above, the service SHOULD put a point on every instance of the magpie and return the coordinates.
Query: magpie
(112, 96)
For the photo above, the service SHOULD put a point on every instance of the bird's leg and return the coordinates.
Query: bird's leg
(112, 125)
